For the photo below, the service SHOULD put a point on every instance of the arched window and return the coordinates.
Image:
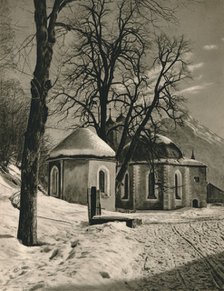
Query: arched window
(178, 185)
(126, 187)
(102, 181)
(151, 186)
(55, 181)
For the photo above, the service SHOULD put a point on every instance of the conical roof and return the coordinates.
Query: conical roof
(120, 118)
(82, 142)
(110, 122)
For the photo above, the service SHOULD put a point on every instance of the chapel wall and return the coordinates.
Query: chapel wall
(76, 180)
(122, 203)
(107, 199)
(142, 202)
(198, 184)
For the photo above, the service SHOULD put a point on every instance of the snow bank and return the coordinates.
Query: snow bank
(75, 256)
(71, 253)
(4, 184)
(14, 171)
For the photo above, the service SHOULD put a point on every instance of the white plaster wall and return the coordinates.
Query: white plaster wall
(109, 167)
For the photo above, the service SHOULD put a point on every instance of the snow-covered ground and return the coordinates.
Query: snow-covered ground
(175, 250)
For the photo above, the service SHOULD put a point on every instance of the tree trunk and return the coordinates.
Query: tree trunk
(103, 115)
(40, 85)
(133, 145)
(124, 165)
(27, 231)
(124, 135)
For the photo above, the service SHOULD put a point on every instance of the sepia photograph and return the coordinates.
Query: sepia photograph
(111, 145)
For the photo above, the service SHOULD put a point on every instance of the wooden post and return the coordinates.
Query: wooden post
(93, 201)
(89, 203)
(98, 205)
(92, 205)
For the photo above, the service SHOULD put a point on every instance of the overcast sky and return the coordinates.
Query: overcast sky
(201, 23)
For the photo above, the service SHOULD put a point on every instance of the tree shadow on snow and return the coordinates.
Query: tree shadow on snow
(206, 273)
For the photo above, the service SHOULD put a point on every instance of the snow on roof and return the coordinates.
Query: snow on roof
(173, 161)
(160, 147)
(183, 161)
(191, 162)
(82, 142)
(163, 139)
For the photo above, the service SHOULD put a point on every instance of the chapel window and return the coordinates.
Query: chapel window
(102, 181)
(151, 186)
(178, 185)
(196, 179)
(55, 181)
(126, 187)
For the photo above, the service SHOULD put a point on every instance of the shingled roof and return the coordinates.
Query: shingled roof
(82, 142)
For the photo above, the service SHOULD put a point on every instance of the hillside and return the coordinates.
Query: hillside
(208, 147)
(175, 250)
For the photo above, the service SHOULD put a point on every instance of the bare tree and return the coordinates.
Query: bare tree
(117, 50)
(40, 85)
(13, 117)
(101, 54)
(110, 40)
(108, 69)
(12, 98)
(172, 69)
(6, 37)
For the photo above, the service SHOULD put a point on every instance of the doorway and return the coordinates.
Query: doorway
(195, 203)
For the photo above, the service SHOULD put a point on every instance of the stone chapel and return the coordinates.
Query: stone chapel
(167, 181)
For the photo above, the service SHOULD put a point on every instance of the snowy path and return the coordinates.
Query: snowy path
(182, 256)
(179, 250)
